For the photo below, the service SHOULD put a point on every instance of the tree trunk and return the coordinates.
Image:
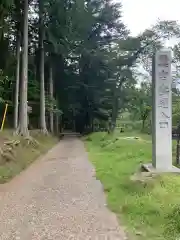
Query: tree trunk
(42, 88)
(178, 152)
(16, 104)
(143, 124)
(144, 118)
(114, 113)
(73, 120)
(57, 124)
(23, 119)
(51, 98)
(60, 124)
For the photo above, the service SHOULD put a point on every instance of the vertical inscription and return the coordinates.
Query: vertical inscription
(162, 111)
(163, 89)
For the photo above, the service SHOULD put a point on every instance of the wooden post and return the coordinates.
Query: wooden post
(4, 117)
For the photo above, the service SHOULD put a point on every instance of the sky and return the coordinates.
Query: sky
(141, 14)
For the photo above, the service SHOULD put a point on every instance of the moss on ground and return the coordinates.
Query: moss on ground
(18, 153)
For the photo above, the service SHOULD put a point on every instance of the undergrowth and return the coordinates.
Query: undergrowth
(150, 208)
(17, 153)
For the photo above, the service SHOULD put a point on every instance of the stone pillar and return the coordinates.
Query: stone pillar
(162, 111)
(161, 114)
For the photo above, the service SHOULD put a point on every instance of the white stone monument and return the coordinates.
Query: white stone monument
(162, 114)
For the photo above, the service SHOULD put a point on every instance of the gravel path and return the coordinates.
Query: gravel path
(57, 198)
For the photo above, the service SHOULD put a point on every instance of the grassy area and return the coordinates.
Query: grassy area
(22, 154)
(150, 208)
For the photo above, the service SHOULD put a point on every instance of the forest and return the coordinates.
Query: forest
(74, 64)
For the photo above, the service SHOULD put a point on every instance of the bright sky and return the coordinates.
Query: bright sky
(141, 14)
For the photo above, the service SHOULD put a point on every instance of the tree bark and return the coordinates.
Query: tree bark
(57, 124)
(114, 112)
(115, 107)
(42, 87)
(23, 119)
(178, 152)
(143, 124)
(16, 104)
(51, 98)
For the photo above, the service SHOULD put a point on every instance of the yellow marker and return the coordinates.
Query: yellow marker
(4, 117)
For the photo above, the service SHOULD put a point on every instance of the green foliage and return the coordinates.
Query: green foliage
(147, 205)
(93, 57)
(141, 103)
(51, 106)
(5, 88)
(176, 110)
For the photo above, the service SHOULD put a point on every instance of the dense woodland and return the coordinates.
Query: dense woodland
(76, 64)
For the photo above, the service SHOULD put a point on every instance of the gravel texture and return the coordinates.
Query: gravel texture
(57, 197)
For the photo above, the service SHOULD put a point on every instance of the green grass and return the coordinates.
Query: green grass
(150, 209)
(23, 154)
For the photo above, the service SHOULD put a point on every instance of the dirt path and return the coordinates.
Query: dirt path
(57, 198)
